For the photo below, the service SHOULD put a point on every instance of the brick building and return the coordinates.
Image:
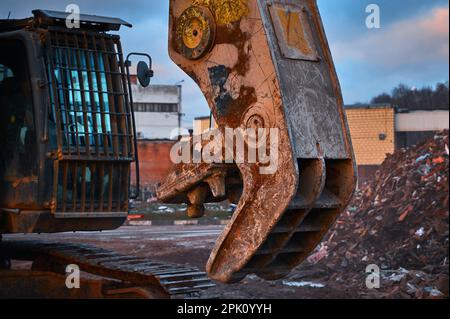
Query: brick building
(158, 114)
(372, 129)
(154, 162)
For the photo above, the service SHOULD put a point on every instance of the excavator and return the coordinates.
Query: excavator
(68, 141)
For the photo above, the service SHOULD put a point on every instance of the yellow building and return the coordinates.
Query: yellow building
(372, 129)
(203, 124)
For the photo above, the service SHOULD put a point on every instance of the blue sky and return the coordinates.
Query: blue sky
(412, 46)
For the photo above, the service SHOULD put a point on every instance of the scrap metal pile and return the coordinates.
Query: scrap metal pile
(399, 222)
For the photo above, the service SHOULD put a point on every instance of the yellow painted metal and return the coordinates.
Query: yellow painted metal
(225, 11)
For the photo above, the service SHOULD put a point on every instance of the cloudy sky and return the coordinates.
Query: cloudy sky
(411, 47)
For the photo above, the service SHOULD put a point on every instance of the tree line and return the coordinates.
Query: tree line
(426, 98)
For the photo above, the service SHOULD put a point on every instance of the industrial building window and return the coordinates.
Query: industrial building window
(156, 107)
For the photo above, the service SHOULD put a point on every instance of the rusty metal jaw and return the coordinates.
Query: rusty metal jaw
(262, 199)
(269, 67)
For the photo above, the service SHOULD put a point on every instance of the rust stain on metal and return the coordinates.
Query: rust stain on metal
(15, 182)
(234, 35)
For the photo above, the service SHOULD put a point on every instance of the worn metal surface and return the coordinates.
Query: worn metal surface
(310, 90)
(269, 72)
(225, 11)
(196, 184)
(163, 280)
(19, 170)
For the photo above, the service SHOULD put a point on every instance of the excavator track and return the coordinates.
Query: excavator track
(168, 280)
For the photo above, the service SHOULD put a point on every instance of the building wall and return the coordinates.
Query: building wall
(408, 139)
(154, 161)
(422, 121)
(156, 94)
(157, 125)
(366, 125)
(417, 126)
(201, 125)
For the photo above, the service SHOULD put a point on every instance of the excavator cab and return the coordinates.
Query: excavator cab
(67, 132)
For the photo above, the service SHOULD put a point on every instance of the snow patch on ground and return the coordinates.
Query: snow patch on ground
(299, 284)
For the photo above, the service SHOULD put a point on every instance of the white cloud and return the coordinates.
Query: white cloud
(409, 43)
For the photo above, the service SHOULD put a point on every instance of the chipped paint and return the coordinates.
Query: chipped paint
(293, 30)
(292, 25)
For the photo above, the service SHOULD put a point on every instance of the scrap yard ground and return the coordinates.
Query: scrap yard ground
(192, 245)
(398, 222)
